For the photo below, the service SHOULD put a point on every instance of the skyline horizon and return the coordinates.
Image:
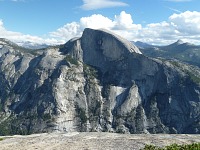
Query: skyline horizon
(21, 43)
(159, 23)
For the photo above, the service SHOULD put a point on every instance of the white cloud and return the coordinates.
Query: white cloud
(121, 24)
(96, 21)
(185, 26)
(67, 32)
(187, 23)
(75, 29)
(98, 4)
(19, 37)
(124, 21)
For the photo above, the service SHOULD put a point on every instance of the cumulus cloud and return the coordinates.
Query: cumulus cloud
(125, 21)
(184, 26)
(67, 32)
(121, 24)
(96, 21)
(98, 4)
(187, 23)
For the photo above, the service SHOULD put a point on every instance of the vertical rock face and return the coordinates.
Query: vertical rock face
(102, 46)
(99, 82)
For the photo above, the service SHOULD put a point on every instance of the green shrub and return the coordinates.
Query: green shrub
(1, 107)
(193, 77)
(89, 71)
(1, 139)
(81, 114)
(194, 146)
(175, 63)
(150, 147)
(5, 127)
(71, 60)
(46, 117)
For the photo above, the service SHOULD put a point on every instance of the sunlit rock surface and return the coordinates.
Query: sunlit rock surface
(98, 82)
(91, 141)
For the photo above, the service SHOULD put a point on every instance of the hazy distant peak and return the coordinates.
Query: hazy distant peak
(31, 45)
(140, 44)
(180, 42)
(6, 41)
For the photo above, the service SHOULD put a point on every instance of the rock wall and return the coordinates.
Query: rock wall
(99, 82)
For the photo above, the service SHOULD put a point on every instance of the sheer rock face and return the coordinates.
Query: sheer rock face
(99, 82)
(101, 46)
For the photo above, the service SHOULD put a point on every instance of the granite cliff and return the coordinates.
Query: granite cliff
(98, 82)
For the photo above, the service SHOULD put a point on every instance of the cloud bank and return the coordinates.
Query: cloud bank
(19, 37)
(184, 26)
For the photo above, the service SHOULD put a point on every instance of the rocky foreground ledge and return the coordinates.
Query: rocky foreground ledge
(92, 141)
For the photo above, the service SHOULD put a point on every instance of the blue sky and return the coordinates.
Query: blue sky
(56, 21)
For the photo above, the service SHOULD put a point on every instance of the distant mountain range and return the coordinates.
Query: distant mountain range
(31, 45)
(182, 51)
(25, 44)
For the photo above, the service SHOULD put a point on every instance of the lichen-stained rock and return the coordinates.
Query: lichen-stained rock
(98, 82)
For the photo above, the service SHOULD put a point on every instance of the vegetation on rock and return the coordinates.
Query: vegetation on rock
(194, 146)
(71, 60)
(81, 114)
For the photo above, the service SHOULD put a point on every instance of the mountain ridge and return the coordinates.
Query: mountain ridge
(96, 83)
(182, 51)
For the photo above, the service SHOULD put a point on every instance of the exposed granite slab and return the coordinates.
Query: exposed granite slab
(92, 141)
